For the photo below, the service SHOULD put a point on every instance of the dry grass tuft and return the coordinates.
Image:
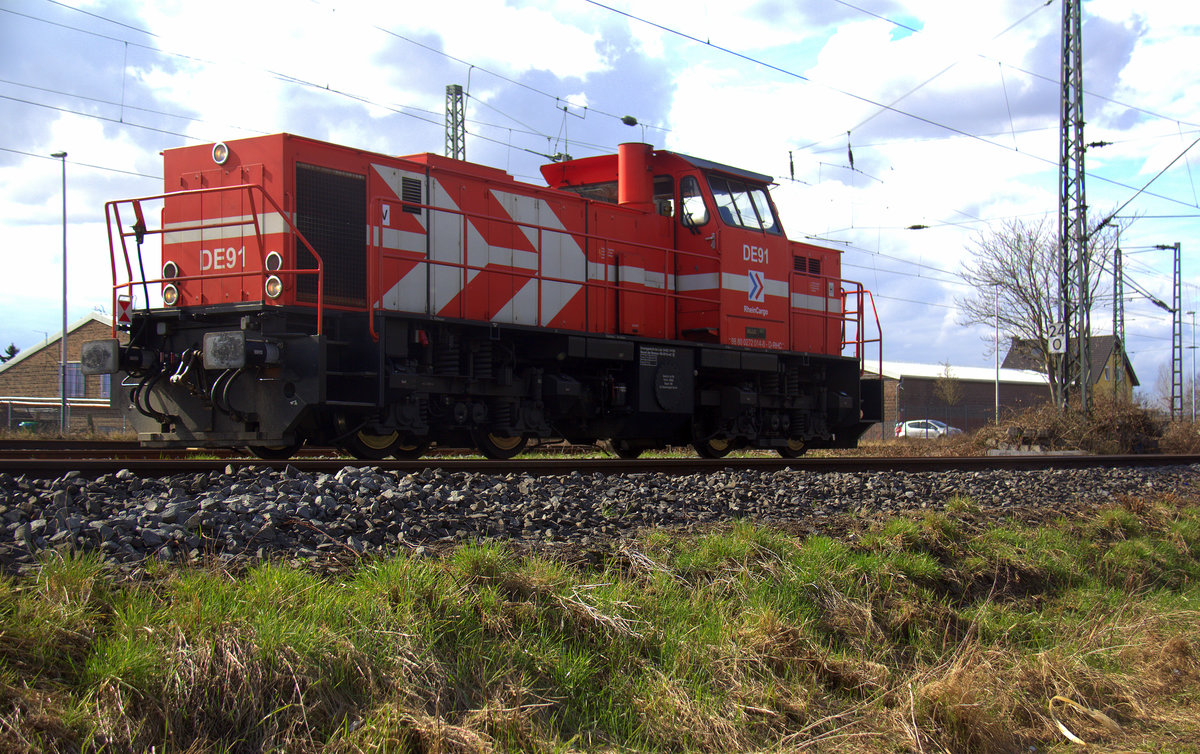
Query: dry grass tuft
(675, 719)
(392, 727)
(222, 688)
(32, 719)
(1181, 437)
(962, 706)
(851, 622)
(1113, 427)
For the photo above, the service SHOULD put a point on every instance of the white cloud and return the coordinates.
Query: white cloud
(716, 105)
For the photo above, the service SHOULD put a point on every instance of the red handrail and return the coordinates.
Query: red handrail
(665, 294)
(139, 230)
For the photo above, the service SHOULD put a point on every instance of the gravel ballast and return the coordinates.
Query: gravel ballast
(259, 513)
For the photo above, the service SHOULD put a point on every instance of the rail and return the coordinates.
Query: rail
(139, 230)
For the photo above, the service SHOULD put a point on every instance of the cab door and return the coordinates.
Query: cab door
(755, 265)
(697, 265)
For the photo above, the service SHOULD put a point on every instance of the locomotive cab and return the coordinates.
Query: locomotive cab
(316, 293)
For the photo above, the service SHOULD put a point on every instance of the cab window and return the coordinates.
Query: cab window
(664, 195)
(741, 205)
(694, 213)
(605, 191)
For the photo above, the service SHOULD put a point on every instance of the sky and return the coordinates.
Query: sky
(950, 110)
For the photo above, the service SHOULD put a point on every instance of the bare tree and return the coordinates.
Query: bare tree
(948, 388)
(1013, 277)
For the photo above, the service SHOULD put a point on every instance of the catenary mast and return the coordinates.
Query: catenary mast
(1074, 296)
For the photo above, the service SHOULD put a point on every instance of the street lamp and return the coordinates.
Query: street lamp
(63, 417)
(996, 293)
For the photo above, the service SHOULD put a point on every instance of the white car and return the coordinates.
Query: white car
(926, 429)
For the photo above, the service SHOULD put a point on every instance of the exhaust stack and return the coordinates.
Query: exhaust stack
(635, 184)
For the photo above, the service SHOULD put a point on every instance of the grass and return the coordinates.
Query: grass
(936, 632)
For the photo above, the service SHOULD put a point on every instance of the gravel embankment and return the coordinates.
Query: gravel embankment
(260, 513)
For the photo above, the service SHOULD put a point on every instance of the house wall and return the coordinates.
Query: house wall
(29, 388)
(917, 398)
(1102, 384)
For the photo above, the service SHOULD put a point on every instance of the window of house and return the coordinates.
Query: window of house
(74, 382)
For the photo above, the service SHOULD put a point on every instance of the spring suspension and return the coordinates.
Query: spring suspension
(446, 355)
(483, 362)
(798, 417)
(501, 414)
(770, 383)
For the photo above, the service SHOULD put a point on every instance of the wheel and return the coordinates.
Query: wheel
(275, 452)
(794, 449)
(366, 446)
(410, 451)
(712, 447)
(499, 447)
(624, 449)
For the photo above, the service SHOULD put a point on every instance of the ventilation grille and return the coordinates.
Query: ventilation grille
(331, 212)
(806, 265)
(410, 191)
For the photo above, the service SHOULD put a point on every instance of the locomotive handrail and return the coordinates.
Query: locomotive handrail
(846, 290)
(862, 295)
(139, 230)
(664, 294)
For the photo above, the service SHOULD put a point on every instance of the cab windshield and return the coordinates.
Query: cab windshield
(743, 205)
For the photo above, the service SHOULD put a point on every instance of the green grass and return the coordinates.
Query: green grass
(926, 633)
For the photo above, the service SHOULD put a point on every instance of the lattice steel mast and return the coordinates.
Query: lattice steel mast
(1074, 293)
(1176, 339)
(456, 123)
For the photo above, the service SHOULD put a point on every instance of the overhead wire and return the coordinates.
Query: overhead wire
(532, 131)
(81, 164)
(500, 76)
(859, 97)
(399, 109)
(1089, 93)
(124, 106)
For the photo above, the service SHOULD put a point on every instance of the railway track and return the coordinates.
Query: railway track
(325, 510)
(54, 462)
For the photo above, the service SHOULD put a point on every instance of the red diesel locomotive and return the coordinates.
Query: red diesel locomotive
(317, 293)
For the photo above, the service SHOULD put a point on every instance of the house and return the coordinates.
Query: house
(29, 384)
(964, 397)
(1105, 357)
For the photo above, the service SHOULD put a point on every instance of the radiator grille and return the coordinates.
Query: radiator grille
(410, 190)
(807, 265)
(331, 212)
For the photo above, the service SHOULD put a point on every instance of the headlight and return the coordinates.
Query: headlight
(220, 153)
(170, 271)
(274, 261)
(274, 287)
(170, 295)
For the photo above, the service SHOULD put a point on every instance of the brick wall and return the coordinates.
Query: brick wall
(977, 406)
(36, 376)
